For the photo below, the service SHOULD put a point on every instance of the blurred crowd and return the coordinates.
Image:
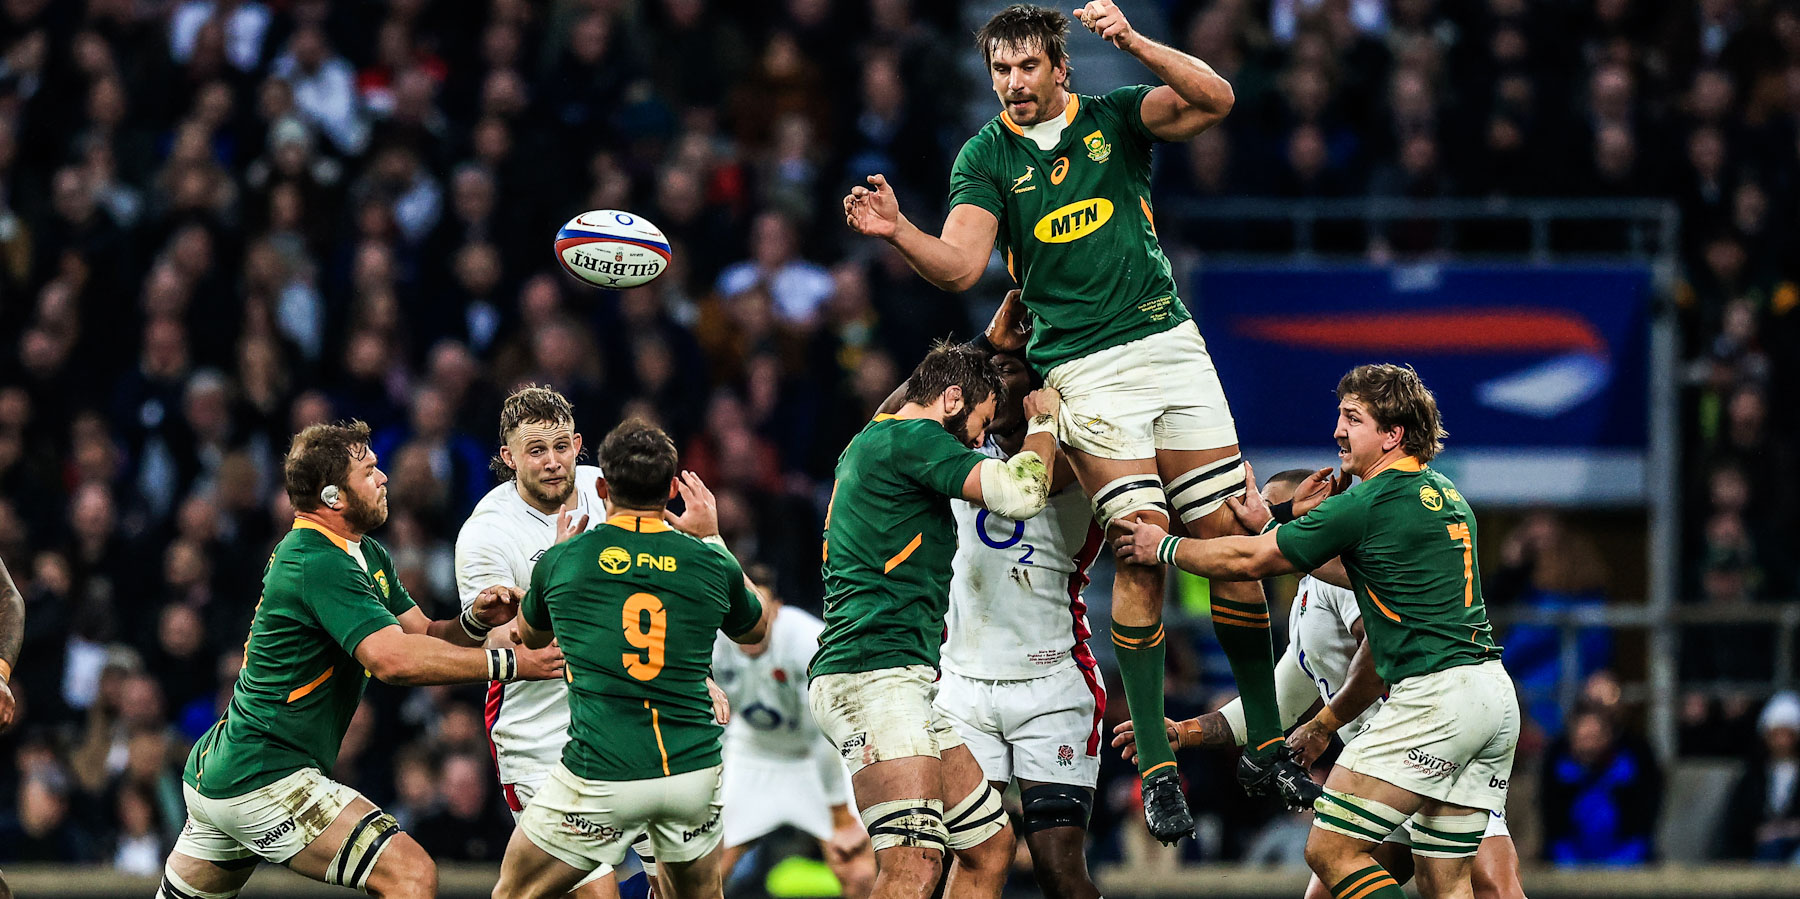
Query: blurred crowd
(222, 220)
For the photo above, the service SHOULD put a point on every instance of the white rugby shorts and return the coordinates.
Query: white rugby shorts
(873, 716)
(764, 793)
(1155, 393)
(518, 797)
(273, 822)
(588, 823)
(1449, 735)
(1045, 729)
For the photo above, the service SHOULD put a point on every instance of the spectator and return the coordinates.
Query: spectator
(1763, 820)
(324, 86)
(797, 286)
(468, 826)
(1600, 795)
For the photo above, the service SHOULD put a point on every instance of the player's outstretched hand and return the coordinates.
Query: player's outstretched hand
(1010, 327)
(1308, 742)
(1125, 740)
(568, 525)
(700, 518)
(497, 604)
(1139, 542)
(721, 703)
(873, 210)
(539, 664)
(1044, 401)
(1250, 510)
(1104, 18)
(1316, 488)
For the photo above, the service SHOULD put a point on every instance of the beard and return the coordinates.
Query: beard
(958, 426)
(557, 495)
(365, 517)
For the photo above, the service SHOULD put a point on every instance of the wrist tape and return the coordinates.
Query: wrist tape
(503, 665)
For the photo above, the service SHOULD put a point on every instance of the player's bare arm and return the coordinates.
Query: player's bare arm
(12, 635)
(1361, 688)
(1254, 512)
(953, 261)
(416, 659)
(1220, 558)
(494, 606)
(1192, 97)
(1209, 731)
(1020, 486)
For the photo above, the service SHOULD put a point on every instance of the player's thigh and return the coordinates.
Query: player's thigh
(529, 871)
(701, 877)
(1053, 726)
(1109, 406)
(1195, 413)
(1198, 482)
(600, 883)
(878, 716)
(1496, 873)
(969, 705)
(207, 876)
(365, 847)
(304, 820)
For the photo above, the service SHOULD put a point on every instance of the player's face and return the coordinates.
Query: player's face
(1011, 416)
(544, 454)
(365, 493)
(1361, 442)
(1026, 82)
(971, 424)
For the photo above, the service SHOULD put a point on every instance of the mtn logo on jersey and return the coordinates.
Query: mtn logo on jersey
(1098, 149)
(615, 560)
(1430, 498)
(1074, 221)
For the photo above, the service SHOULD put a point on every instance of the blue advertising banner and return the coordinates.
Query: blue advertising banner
(1540, 372)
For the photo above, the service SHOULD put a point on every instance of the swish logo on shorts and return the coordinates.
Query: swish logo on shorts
(1430, 765)
(268, 839)
(1074, 221)
(576, 824)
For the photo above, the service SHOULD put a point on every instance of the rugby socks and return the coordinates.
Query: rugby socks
(1141, 652)
(1373, 882)
(1242, 629)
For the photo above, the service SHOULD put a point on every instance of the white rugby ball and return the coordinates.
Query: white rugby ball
(612, 249)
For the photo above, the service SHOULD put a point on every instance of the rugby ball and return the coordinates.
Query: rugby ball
(612, 249)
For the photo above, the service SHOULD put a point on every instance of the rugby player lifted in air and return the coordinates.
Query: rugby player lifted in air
(1062, 180)
(1328, 661)
(889, 538)
(332, 608)
(1437, 755)
(636, 604)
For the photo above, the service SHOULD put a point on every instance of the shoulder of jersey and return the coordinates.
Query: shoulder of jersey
(586, 478)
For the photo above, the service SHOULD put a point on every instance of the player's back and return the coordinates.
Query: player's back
(300, 683)
(1319, 623)
(1016, 610)
(500, 543)
(769, 715)
(634, 604)
(1076, 224)
(889, 538)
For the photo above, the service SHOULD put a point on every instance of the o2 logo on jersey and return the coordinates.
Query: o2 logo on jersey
(1012, 540)
(763, 717)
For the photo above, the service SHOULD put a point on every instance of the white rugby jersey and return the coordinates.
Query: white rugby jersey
(1320, 639)
(1016, 611)
(527, 721)
(769, 714)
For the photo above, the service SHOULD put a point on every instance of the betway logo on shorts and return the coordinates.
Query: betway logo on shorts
(1074, 221)
(687, 835)
(1430, 765)
(268, 839)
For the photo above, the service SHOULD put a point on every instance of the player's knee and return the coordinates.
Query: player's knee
(976, 820)
(397, 868)
(1132, 496)
(1055, 805)
(175, 886)
(1196, 494)
(907, 824)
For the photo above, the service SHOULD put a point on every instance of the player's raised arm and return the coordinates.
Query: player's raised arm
(1192, 98)
(951, 262)
(1019, 487)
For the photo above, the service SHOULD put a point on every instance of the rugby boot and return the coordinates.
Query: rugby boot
(1280, 776)
(1165, 809)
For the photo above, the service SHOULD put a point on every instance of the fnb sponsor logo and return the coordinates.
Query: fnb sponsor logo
(1429, 764)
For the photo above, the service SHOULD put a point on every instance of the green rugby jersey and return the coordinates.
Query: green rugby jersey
(635, 604)
(889, 539)
(1407, 539)
(301, 681)
(1076, 226)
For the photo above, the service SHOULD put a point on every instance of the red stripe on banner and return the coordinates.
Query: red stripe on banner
(1084, 657)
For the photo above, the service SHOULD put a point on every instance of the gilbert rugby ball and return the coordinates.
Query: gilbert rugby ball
(612, 249)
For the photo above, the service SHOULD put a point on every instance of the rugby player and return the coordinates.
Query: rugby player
(1437, 755)
(635, 604)
(779, 768)
(889, 538)
(332, 609)
(1063, 181)
(1328, 660)
(545, 498)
